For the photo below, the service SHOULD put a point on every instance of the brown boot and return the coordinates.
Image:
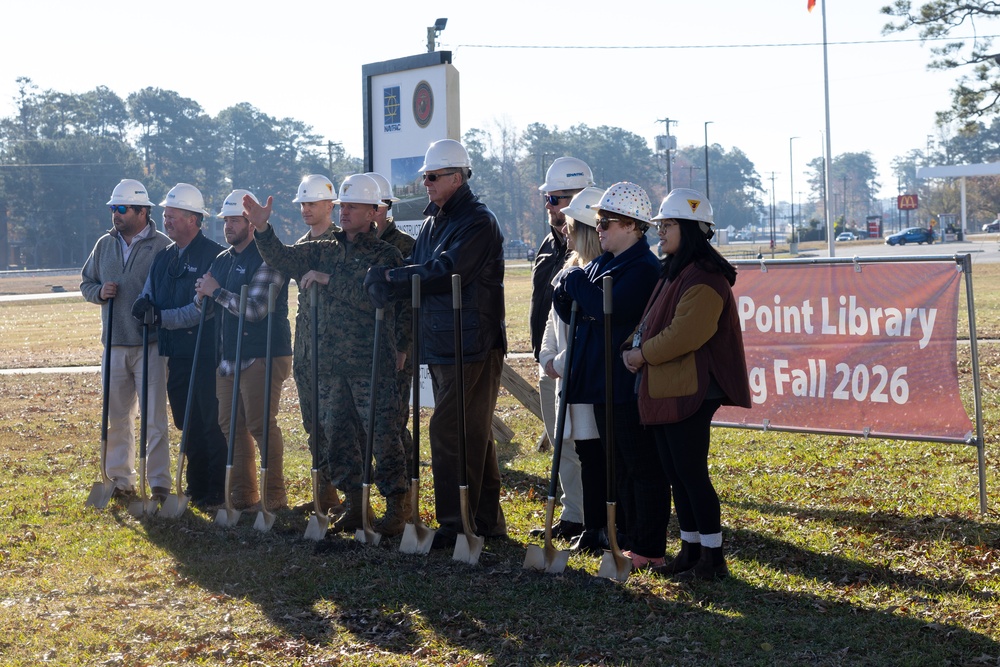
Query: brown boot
(393, 522)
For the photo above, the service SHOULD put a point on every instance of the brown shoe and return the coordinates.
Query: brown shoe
(394, 521)
(159, 494)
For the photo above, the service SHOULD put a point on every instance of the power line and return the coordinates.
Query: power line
(715, 46)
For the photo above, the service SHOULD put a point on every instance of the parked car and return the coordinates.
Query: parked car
(911, 235)
(992, 226)
(846, 236)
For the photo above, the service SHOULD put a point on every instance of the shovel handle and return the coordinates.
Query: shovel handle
(235, 408)
(314, 370)
(272, 293)
(106, 391)
(415, 285)
(563, 402)
(456, 303)
(372, 395)
(609, 408)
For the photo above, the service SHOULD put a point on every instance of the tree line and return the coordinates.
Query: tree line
(61, 153)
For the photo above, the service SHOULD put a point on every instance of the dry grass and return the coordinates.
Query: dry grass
(843, 551)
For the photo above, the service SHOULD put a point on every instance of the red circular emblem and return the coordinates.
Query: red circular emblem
(423, 104)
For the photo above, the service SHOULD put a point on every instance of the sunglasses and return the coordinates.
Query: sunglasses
(604, 223)
(553, 200)
(433, 177)
(120, 208)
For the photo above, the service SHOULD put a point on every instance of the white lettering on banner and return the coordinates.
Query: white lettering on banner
(848, 319)
(875, 384)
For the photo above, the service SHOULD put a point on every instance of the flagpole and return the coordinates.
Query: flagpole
(829, 161)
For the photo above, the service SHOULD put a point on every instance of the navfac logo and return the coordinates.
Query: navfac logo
(390, 109)
(575, 173)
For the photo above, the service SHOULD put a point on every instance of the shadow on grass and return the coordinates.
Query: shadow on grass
(392, 606)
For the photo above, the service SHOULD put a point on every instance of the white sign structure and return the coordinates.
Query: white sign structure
(409, 103)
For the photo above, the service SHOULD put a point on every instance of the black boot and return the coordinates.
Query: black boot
(592, 542)
(711, 565)
(685, 560)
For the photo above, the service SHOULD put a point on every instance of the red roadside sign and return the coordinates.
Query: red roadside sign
(907, 202)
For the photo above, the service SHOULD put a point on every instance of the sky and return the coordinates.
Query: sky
(754, 69)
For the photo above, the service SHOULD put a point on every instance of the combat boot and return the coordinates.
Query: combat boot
(394, 521)
(350, 520)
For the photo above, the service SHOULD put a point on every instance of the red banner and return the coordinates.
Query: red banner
(868, 348)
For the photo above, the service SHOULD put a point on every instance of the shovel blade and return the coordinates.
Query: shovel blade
(557, 564)
(534, 558)
(100, 495)
(467, 548)
(417, 539)
(366, 535)
(317, 527)
(142, 507)
(614, 565)
(227, 517)
(264, 521)
(174, 506)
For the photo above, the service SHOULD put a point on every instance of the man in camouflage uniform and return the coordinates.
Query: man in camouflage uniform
(347, 328)
(315, 199)
(388, 232)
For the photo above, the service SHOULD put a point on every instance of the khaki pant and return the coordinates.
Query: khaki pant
(250, 423)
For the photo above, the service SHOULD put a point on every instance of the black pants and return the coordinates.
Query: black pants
(593, 477)
(206, 445)
(683, 450)
(643, 491)
(482, 384)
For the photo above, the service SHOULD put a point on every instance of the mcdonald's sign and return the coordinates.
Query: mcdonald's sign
(907, 202)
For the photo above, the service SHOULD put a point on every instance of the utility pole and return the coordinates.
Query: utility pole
(666, 122)
(706, 159)
(772, 214)
(791, 182)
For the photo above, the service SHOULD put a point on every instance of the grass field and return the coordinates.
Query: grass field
(843, 551)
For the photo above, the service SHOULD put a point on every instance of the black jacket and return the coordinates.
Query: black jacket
(549, 259)
(461, 237)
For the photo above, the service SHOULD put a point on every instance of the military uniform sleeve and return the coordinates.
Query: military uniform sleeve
(294, 261)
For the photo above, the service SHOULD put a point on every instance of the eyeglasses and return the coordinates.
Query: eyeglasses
(604, 223)
(665, 225)
(120, 208)
(433, 177)
(553, 200)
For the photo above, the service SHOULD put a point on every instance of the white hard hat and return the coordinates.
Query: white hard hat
(567, 173)
(359, 189)
(130, 192)
(687, 204)
(583, 206)
(234, 203)
(383, 185)
(187, 197)
(628, 199)
(314, 187)
(445, 154)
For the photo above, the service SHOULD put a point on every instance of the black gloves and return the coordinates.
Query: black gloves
(379, 290)
(141, 306)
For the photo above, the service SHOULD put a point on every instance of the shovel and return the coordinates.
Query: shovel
(468, 545)
(548, 558)
(366, 534)
(417, 538)
(614, 564)
(143, 505)
(265, 519)
(174, 505)
(320, 520)
(228, 516)
(100, 492)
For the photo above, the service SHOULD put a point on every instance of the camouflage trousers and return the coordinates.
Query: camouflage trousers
(303, 382)
(403, 381)
(343, 405)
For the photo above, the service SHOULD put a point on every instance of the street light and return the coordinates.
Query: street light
(706, 159)
(791, 182)
(433, 32)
